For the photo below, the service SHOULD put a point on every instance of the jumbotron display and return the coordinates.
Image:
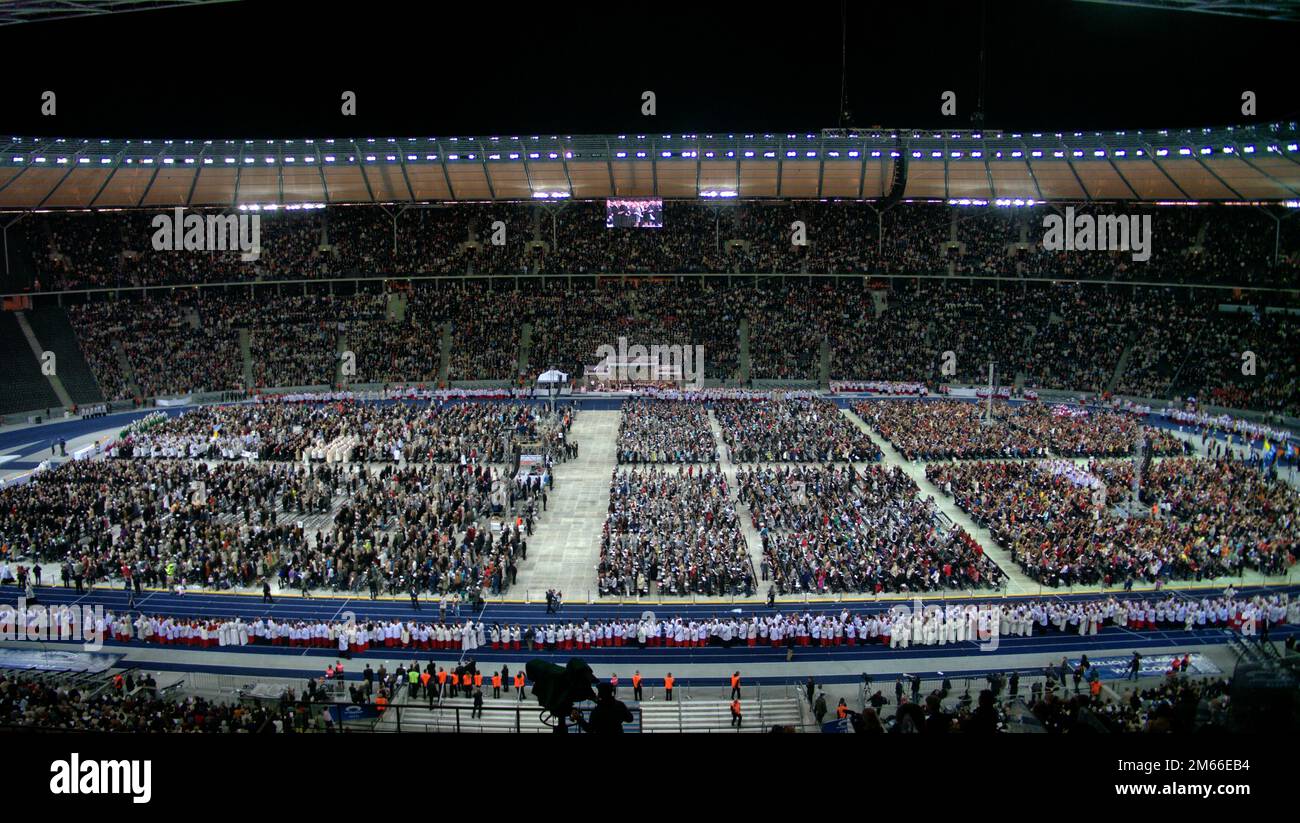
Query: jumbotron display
(634, 214)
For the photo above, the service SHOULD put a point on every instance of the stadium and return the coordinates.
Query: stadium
(964, 429)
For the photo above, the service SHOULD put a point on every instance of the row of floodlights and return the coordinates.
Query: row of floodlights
(850, 134)
(1004, 202)
(689, 154)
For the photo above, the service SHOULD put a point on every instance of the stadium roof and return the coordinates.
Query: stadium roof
(37, 11)
(1278, 10)
(1242, 163)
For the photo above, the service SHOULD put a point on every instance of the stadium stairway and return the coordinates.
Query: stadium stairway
(1028, 351)
(340, 346)
(124, 363)
(1120, 367)
(246, 355)
(23, 269)
(444, 352)
(1187, 356)
(878, 301)
(713, 716)
(525, 347)
(54, 332)
(505, 715)
(26, 389)
(56, 383)
(397, 306)
(742, 349)
(453, 715)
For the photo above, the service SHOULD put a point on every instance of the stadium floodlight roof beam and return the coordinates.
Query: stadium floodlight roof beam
(523, 157)
(609, 166)
(99, 192)
(72, 164)
(988, 174)
(358, 157)
(1245, 157)
(194, 181)
(1069, 162)
(1274, 10)
(487, 176)
(279, 175)
(1110, 158)
(564, 163)
(239, 167)
(1215, 175)
(157, 167)
(1155, 160)
(654, 166)
(13, 12)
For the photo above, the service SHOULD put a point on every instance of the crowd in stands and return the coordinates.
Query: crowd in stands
(838, 530)
(1051, 335)
(791, 430)
(34, 702)
(673, 532)
(163, 342)
(1198, 245)
(1209, 518)
(570, 326)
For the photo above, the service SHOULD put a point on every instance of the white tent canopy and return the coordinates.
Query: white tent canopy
(552, 376)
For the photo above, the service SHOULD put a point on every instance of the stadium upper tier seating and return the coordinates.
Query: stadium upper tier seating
(1218, 244)
(1159, 341)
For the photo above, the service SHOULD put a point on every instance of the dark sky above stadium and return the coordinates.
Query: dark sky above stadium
(277, 69)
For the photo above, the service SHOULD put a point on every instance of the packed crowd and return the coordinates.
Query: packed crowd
(673, 533)
(1209, 518)
(158, 346)
(396, 516)
(790, 430)
(956, 429)
(665, 431)
(1052, 336)
(1216, 245)
(841, 530)
(898, 627)
(130, 707)
(341, 431)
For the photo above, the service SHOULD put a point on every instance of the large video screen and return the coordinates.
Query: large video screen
(634, 214)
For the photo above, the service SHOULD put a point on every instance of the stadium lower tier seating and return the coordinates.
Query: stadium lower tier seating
(1159, 343)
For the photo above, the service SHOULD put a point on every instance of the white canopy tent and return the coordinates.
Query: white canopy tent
(552, 380)
(553, 376)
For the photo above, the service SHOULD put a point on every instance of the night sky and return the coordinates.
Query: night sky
(277, 69)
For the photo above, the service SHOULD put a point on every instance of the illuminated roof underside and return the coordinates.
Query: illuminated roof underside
(1243, 163)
